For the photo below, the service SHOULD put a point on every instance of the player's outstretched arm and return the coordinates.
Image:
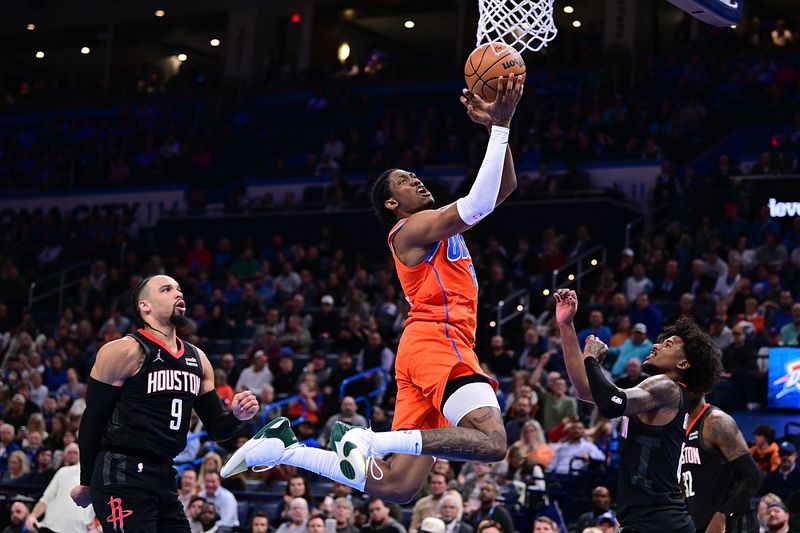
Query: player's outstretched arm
(481, 111)
(492, 185)
(115, 362)
(720, 430)
(566, 307)
(220, 423)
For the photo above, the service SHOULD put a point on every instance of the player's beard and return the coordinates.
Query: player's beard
(178, 320)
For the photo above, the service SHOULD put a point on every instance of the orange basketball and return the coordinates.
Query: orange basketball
(487, 63)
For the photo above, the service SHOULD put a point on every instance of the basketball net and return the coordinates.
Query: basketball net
(523, 24)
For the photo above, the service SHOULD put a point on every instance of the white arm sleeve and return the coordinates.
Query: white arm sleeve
(483, 194)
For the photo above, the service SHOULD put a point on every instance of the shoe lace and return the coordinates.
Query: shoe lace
(373, 465)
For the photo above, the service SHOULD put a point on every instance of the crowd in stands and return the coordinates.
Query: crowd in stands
(293, 320)
(673, 109)
(296, 319)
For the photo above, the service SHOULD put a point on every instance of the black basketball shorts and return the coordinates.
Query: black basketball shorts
(135, 495)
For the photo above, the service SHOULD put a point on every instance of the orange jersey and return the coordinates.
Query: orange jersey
(443, 288)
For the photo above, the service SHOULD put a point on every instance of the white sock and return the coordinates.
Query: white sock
(322, 462)
(407, 441)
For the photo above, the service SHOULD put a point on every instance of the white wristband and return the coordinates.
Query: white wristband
(483, 194)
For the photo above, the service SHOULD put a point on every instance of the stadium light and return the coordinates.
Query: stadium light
(409, 24)
(182, 57)
(30, 27)
(546, 292)
(571, 277)
(214, 42)
(39, 55)
(576, 23)
(296, 17)
(569, 9)
(85, 50)
(593, 262)
(343, 52)
(520, 307)
(492, 324)
(160, 13)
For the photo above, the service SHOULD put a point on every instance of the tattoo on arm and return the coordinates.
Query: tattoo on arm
(480, 436)
(651, 394)
(720, 430)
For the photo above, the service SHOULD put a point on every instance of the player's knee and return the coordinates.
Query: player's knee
(497, 449)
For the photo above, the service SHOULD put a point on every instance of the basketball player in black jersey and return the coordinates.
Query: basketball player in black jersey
(718, 475)
(654, 414)
(139, 401)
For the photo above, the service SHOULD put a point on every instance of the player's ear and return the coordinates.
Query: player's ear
(390, 204)
(684, 364)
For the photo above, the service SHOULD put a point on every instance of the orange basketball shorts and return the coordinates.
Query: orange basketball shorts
(428, 356)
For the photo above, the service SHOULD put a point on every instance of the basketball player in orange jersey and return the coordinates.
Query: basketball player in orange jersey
(439, 380)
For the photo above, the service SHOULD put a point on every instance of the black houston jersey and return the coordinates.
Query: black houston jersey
(705, 476)
(650, 462)
(151, 418)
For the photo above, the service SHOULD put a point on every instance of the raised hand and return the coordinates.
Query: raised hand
(566, 306)
(595, 348)
(499, 112)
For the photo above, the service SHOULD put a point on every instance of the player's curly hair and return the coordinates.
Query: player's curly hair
(702, 353)
(379, 194)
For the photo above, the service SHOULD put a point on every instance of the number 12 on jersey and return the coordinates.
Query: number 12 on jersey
(177, 414)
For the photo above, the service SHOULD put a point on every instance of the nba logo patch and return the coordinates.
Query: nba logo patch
(140, 467)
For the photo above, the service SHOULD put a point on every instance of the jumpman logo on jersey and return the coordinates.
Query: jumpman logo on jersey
(158, 357)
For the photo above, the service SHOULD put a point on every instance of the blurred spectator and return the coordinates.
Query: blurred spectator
(765, 449)
(633, 374)
(18, 467)
(296, 336)
(720, 332)
(601, 503)
(637, 346)
(379, 519)
(778, 518)
(17, 516)
(255, 376)
(786, 478)
(791, 331)
(596, 328)
(259, 522)
(637, 283)
(223, 500)
(544, 524)
(344, 514)
(647, 314)
(194, 508)
(556, 404)
(450, 509)
(532, 444)
(347, 414)
(781, 35)
(489, 510)
(209, 518)
(187, 487)
(61, 513)
(427, 505)
(500, 359)
(574, 454)
(43, 472)
(522, 415)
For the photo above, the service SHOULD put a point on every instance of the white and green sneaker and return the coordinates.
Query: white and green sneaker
(264, 449)
(353, 447)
